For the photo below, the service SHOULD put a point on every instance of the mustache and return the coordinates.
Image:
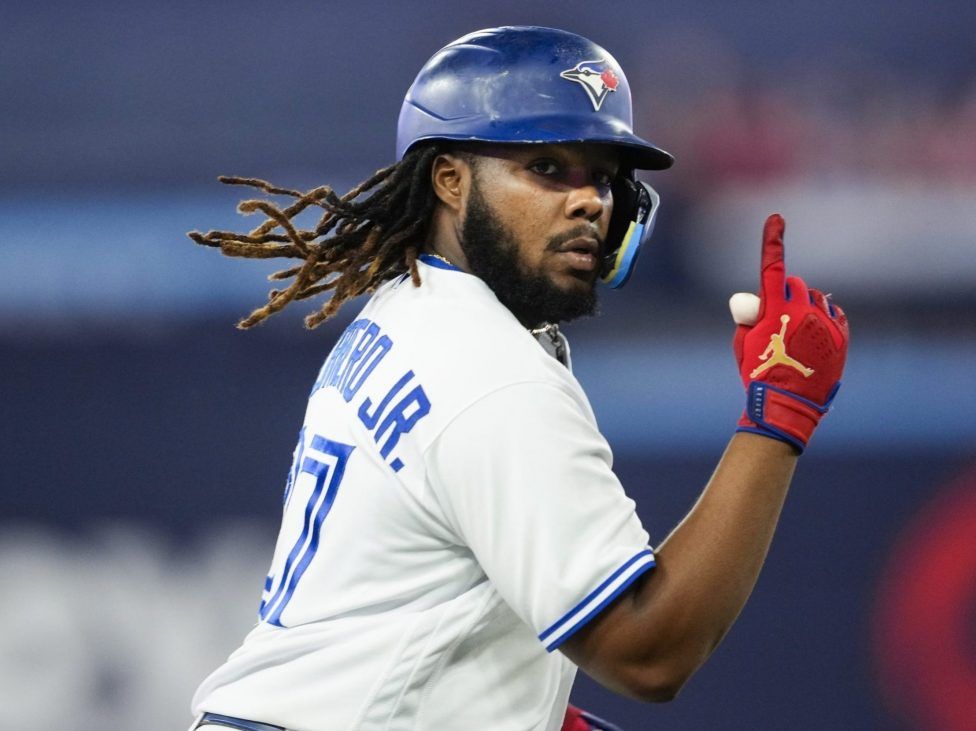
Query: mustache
(581, 231)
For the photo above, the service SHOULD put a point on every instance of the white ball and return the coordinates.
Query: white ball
(745, 308)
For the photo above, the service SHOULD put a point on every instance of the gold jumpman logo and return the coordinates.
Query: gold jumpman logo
(775, 354)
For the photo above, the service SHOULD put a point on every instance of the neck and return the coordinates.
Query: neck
(445, 240)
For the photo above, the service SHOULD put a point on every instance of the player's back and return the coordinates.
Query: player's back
(376, 613)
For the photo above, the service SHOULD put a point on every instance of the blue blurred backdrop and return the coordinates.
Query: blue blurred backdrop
(144, 441)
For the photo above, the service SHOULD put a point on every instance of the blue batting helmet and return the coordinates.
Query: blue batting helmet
(527, 84)
(524, 84)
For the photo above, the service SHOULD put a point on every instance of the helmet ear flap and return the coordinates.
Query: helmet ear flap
(624, 190)
(635, 207)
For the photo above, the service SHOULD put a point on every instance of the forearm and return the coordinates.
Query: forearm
(709, 564)
(651, 641)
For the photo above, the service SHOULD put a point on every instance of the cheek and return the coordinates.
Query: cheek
(532, 218)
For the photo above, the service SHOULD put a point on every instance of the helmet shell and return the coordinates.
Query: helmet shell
(524, 84)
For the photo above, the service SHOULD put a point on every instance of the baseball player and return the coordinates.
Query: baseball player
(454, 544)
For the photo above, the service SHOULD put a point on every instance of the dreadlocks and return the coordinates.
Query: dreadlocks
(374, 239)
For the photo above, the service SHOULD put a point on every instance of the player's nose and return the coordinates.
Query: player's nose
(586, 201)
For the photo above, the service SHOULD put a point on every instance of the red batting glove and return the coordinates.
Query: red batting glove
(580, 720)
(792, 359)
(574, 720)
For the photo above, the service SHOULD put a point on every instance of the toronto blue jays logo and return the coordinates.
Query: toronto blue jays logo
(596, 77)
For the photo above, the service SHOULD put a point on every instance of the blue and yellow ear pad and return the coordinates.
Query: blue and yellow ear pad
(635, 207)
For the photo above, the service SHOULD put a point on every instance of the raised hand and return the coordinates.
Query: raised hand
(791, 359)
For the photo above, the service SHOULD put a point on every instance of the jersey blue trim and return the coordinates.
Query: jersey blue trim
(218, 719)
(559, 623)
(433, 261)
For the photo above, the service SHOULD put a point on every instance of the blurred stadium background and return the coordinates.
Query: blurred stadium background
(144, 441)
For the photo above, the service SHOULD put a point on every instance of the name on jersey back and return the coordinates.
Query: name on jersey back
(387, 411)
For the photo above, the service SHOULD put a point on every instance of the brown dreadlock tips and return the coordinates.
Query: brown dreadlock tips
(354, 246)
(202, 239)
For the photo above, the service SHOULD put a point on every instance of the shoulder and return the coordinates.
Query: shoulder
(455, 333)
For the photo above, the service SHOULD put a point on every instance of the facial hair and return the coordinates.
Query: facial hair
(493, 256)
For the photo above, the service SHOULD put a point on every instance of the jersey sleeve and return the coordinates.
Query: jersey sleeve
(524, 476)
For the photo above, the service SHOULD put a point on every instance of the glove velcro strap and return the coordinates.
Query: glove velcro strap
(781, 414)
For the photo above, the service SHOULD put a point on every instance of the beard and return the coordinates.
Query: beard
(493, 256)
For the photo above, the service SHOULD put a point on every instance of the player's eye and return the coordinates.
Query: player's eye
(603, 179)
(544, 167)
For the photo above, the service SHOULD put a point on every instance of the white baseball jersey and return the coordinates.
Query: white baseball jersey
(450, 519)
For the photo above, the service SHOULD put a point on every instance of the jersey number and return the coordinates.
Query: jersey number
(328, 476)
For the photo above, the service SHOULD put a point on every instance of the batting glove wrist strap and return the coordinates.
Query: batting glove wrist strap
(776, 413)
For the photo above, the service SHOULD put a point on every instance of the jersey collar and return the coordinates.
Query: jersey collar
(439, 263)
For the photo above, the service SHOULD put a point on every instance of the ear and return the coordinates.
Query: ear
(450, 176)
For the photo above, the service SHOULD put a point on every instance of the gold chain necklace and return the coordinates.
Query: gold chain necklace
(556, 339)
(442, 258)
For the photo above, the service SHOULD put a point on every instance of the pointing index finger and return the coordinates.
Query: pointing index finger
(772, 275)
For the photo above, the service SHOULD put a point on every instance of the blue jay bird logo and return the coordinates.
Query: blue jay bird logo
(595, 77)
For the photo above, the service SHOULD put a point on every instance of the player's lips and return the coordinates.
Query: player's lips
(581, 253)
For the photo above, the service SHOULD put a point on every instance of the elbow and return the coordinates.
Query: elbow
(663, 693)
(656, 694)
(658, 683)
(663, 673)
(661, 677)
(661, 689)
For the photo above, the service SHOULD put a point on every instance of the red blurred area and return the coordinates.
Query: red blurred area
(925, 616)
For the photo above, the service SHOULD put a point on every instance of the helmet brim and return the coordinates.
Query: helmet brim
(636, 152)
